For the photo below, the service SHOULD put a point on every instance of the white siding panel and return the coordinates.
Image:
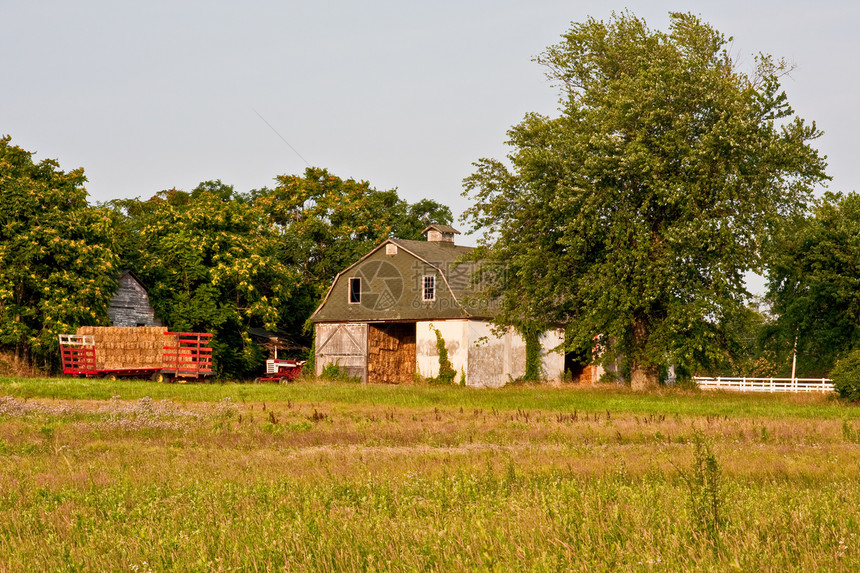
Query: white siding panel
(454, 332)
(552, 363)
(492, 358)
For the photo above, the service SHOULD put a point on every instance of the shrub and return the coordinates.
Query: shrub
(335, 373)
(846, 376)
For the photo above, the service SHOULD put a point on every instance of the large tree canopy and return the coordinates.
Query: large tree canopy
(57, 268)
(814, 284)
(634, 214)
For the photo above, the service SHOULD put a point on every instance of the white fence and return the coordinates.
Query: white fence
(765, 384)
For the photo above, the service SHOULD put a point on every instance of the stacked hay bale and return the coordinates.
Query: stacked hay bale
(119, 347)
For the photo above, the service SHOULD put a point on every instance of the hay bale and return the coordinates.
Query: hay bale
(128, 346)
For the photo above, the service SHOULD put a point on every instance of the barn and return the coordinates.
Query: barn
(380, 318)
(130, 304)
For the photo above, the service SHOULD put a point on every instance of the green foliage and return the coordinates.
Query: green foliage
(212, 262)
(311, 360)
(846, 376)
(446, 369)
(533, 355)
(634, 213)
(813, 286)
(57, 268)
(747, 342)
(332, 372)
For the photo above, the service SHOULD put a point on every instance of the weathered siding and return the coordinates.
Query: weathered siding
(454, 332)
(487, 360)
(344, 344)
(130, 305)
(552, 363)
(494, 360)
(391, 352)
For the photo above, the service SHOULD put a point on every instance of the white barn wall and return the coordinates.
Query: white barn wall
(454, 334)
(494, 360)
(487, 360)
(552, 363)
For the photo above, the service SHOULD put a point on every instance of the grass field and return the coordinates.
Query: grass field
(98, 475)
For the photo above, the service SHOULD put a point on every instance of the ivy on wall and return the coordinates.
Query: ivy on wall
(446, 369)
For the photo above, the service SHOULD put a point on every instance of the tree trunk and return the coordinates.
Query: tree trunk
(642, 376)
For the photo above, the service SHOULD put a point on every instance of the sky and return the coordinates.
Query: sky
(147, 96)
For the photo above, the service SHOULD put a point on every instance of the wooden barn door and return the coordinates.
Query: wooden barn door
(344, 344)
(391, 352)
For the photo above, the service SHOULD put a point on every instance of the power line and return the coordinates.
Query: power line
(282, 137)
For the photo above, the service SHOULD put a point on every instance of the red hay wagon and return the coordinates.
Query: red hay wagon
(188, 358)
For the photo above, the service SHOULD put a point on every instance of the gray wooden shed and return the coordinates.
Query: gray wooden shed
(130, 304)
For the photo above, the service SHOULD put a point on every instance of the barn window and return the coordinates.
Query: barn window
(354, 290)
(429, 287)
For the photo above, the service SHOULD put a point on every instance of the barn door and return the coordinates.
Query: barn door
(344, 344)
(391, 353)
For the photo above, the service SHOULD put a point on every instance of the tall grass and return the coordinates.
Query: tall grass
(322, 477)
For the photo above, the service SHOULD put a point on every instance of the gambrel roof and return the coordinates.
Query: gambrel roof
(392, 281)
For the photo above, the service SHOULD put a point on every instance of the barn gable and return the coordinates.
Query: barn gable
(130, 304)
(403, 280)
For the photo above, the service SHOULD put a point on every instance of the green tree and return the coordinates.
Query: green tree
(212, 262)
(814, 284)
(57, 268)
(331, 222)
(633, 214)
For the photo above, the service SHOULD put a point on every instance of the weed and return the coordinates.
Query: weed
(849, 433)
(142, 480)
(318, 416)
(703, 481)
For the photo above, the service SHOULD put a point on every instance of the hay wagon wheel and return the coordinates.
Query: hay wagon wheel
(162, 377)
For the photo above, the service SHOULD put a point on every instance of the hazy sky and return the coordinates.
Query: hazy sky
(151, 95)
